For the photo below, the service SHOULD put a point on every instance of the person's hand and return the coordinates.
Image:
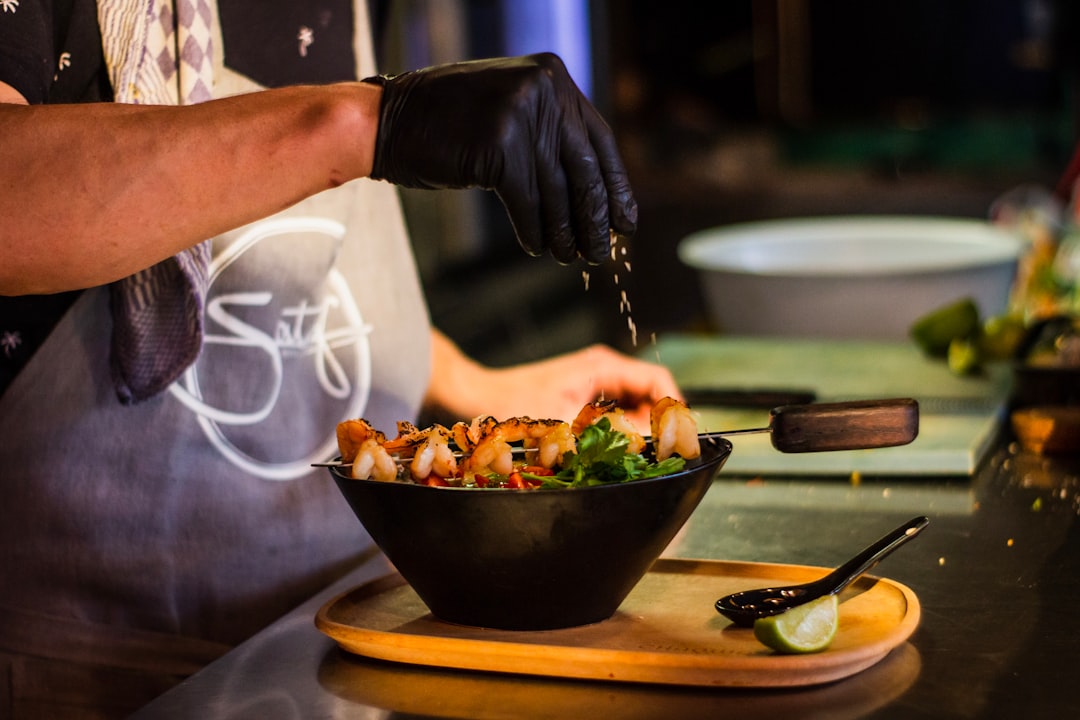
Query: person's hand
(560, 386)
(520, 127)
(556, 387)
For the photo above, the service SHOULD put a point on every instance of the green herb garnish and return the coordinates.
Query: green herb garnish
(602, 457)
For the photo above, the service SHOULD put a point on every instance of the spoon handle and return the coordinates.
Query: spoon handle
(843, 576)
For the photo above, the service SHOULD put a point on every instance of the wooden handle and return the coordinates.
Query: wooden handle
(856, 425)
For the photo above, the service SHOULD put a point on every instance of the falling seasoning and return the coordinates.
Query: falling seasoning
(619, 252)
(619, 258)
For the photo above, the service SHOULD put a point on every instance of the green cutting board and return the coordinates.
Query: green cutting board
(958, 416)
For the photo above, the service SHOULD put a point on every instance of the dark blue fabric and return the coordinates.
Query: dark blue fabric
(277, 44)
(50, 51)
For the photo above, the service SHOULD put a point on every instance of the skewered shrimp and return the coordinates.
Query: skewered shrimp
(495, 452)
(492, 451)
(524, 428)
(553, 443)
(674, 430)
(372, 461)
(408, 439)
(468, 435)
(433, 455)
(361, 445)
(591, 414)
(352, 433)
(490, 445)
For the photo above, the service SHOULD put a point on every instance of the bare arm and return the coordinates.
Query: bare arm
(91, 193)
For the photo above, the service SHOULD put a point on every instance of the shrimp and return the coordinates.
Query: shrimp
(493, 453)
(433, 455)
(674, 430)
(361, 446)
(351, 434)
(524, 428)
(591, 414)
(544, 438)
(408, 439)
(468, 435)
(545, 441)
(556, 441)
(372, 461)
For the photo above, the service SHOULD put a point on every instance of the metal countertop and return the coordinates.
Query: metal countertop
(997, 573)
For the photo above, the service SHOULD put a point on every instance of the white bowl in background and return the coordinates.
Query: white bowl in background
(848, 277)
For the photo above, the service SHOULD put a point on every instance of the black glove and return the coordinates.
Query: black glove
(520, 127)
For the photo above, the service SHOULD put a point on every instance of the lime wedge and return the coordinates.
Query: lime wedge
(804, 628)
(934, 331)
(964, 357)
(1001, 336)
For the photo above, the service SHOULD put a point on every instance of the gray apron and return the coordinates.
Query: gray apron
(155, 536)
(138, 543)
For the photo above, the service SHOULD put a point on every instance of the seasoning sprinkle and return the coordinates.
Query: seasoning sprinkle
(618, 250)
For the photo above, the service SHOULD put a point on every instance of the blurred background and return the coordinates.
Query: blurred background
(732, 112)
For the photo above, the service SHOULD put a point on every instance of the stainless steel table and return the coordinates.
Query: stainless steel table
(997, 573)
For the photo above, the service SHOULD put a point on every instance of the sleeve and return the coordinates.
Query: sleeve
(26, 47)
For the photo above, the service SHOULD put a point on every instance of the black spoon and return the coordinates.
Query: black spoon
(743, 608)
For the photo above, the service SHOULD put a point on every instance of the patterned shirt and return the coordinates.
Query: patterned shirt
(50, 51)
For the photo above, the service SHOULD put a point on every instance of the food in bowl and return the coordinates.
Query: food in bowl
(600, 446)
(540, 558)
(529, 560)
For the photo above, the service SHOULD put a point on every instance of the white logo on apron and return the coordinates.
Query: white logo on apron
(301, 331)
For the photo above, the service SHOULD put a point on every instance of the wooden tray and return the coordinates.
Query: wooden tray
(666, 631)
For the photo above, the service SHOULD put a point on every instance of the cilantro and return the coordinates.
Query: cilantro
(602, 457)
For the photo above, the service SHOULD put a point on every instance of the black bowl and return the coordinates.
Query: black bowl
(529, 559)
(1055, 381)
(1035, 386)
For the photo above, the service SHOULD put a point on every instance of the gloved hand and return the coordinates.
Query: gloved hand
(520, 127)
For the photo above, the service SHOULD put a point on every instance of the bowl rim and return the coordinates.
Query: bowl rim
(724, 450)
(999, 246)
